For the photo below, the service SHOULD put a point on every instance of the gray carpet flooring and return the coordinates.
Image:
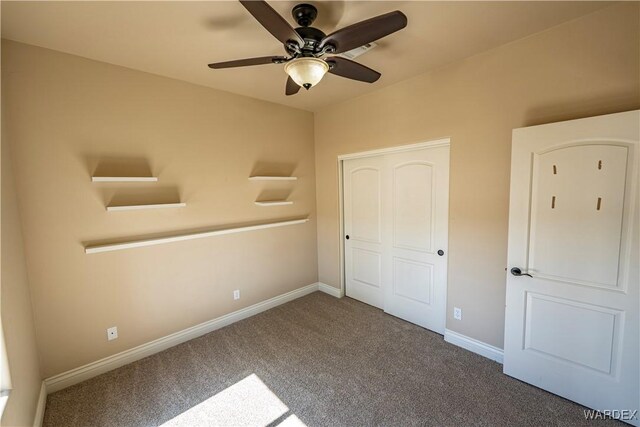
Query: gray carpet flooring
(317, 361)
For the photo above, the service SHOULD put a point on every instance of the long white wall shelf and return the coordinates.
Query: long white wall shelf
(92, 249)
(138, 207)
(124, 178)
(273, 203)
(273, 178)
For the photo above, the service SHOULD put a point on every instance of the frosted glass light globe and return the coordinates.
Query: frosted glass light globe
(306, 72)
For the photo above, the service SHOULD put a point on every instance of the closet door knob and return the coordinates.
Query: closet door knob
(347, 237)
(440, 252)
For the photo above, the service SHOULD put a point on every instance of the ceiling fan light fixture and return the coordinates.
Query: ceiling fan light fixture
(306, 72)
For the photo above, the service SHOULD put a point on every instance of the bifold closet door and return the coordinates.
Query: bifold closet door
(395, 222)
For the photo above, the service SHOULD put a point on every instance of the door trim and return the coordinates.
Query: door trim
(441, 142)
(397, 149)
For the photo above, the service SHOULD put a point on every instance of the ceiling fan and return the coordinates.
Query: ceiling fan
(305, 46)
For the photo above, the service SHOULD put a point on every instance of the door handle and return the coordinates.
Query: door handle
(517, 272)
(346, 237)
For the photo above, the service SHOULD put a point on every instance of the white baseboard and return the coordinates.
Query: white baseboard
(328, 289)
(473, 345)
(77, 375)
(42, 402)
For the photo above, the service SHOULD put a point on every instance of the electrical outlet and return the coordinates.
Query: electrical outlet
(236, 294)
(112, 333)
(457, 313)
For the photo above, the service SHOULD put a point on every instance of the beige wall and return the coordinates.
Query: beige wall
(65, 117)
(585, 67)
(17, 316)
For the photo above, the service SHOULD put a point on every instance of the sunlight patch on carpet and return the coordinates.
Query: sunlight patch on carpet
(292, 421)
(249, 402)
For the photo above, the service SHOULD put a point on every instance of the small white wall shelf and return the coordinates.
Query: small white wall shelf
(273, 203)
(92, 249)
(272, 178)
(139, 207)
(124, 179)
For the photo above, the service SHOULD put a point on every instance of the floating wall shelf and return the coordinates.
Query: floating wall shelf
(273, 178)
(92, 249)
(273, 203)
(138, 207)
(124, 178)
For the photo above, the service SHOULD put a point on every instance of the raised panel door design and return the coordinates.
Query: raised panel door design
(365, 195)
(366, 267)
(413, 206)
(579, 334)
(412, 280)
(577, 213)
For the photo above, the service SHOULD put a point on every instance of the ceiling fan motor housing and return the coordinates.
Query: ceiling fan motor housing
(305, 14)
(312, 38)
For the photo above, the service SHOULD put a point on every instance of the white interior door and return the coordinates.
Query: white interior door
(573, 327)
(363, 221)
(396, 216)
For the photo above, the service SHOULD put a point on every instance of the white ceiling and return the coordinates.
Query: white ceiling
(179, 39)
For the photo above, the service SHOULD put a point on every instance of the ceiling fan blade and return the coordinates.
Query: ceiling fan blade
(352, 70)
(249, 61)
(292, 87)
(272, 21)
(365, 32)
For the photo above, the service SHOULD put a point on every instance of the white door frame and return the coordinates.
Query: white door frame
(441, 142)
